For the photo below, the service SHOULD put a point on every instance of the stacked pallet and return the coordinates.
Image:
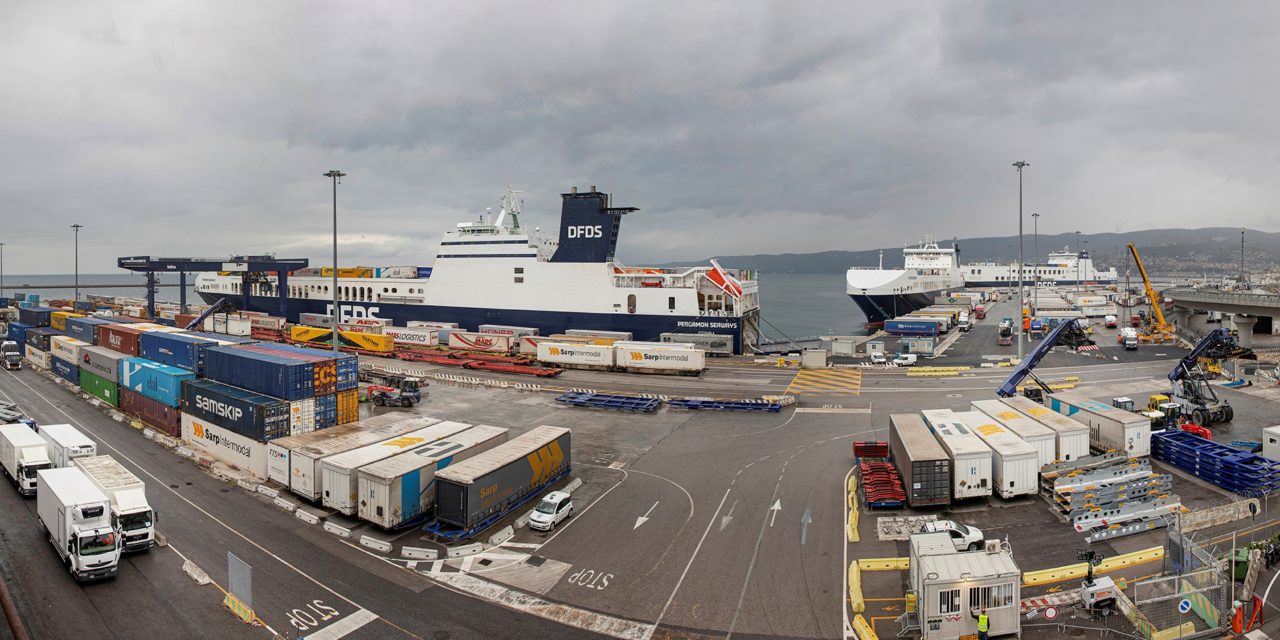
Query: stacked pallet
(882, 485)
(1236, 471)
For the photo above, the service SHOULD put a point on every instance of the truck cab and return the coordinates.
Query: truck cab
(24, 455)
(10, 355)
(77, 518)
(131, 514)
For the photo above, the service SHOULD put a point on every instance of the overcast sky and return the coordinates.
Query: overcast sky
(184, 128)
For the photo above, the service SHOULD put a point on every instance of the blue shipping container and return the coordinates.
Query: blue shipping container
(222, 337)
(174, 349)
(26, 305)
(18, 333)
(160, 382)
(35, 316)
(911, 327)
(249, 414)
(272, 375)
(66, 370)
(39, 337)
(348, 364)
(326, 411)
(85, 329)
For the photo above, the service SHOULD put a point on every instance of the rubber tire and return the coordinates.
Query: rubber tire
(1228, 414)
(380, 401)
(974, 546)
(1200, 417)
(406, 403)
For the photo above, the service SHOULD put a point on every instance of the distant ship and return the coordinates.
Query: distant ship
(884, 294)
(1065, 267)
(491, 271)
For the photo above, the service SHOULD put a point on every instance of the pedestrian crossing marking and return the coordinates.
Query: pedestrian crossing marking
(815, 381)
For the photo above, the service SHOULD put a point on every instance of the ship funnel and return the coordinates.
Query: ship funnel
(573, 189)
(593, 188)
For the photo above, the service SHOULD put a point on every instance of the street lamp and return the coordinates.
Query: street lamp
(1035, 261)
(1, 269)
(335, 176)
(1020, 165)
(77, 227)
(1077, 263)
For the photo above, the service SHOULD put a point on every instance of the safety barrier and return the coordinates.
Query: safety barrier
(851, 528)
(285, 504)
(884, 564)
(239, 609)
(337, 530)
(418, 553)
(306, 516)
(863, 629)
(915, 373)
(268, 491)
(465, 550)
(1079, 570)
(855, 589)
(376, 544)
(502, 536)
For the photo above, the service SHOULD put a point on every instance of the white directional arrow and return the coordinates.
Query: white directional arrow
(726, 519)
(644, 518)
(777, 506)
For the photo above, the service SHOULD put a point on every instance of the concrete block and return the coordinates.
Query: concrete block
(375, 544)
(337, 530)
(573, 484)
(186, 453)
(246, 485)
(149, 434)
(502, 536)
(465, 550)
(418, 553)
(522, 521)
(118, 417)
(306, 516)
(268, 491)
(285, 504)
(161, 540)
(196, 573)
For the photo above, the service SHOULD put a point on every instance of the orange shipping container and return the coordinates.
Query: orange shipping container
(348, 406)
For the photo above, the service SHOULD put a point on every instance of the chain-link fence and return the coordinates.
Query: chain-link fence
(1190, 599)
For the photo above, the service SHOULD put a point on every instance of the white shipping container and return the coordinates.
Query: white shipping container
(970, 456)
(419, 336)
(36, 357)
(1271, 443)
(592, 333)
(508, 330)
(398, 489)
(564, 353)
(225, 445)
(67, 348)
(270, 323)
(339, 483)
(360, 328)
(429, 324)
(294, 461)
(65, 443)
(1041, 438)
(1015, 469)
(369, 322)
(1109, 428)
(1098, 311)
(672, 357)
(473, 341)
(1072, 436)
(302, 416)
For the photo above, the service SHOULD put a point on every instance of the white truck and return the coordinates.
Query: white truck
(77, 518)
(130, 512)
(23, 454)
(66, 443)
(1129, 338)
(10, 355)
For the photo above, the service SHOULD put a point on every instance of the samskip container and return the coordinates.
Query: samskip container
(339, 484)
(66, 370)
(100, 388)
(264, 373)
(101, 362)
(474, 491)
(245, 412)
(160, 382)
(159, 416)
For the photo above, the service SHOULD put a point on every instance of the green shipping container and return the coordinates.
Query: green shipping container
(100, 388)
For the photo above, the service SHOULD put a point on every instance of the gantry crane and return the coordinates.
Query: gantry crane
(1156, 329)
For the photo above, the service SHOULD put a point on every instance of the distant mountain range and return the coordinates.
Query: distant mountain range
(1215, 250)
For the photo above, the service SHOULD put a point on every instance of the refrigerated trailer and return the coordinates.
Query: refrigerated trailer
(295, 461)
(339, 483)
(23, 453)
(1042, 438)
(970, 456)
(1109, 428)
(66, 443)
(924, 465)
(76, 515)
(1014, 464)
(475, 493)
(1072, 437)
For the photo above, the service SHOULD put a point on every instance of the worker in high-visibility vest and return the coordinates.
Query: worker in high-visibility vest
(984, 623)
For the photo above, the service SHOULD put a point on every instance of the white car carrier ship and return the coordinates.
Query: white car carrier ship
(492, 271)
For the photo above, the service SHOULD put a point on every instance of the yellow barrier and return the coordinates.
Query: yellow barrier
(928, 368)
(1173, 633)
(864, 630)
(1079, 570)
(855, 589)
(238, 609)
(851, 529)
(932, 374)
(884, 564)
(853, 526)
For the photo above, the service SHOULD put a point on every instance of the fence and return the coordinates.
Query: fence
(1191, 598)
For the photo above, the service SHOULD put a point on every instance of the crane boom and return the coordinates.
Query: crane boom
(1151, 292)
(1068, 333)
(221, 304)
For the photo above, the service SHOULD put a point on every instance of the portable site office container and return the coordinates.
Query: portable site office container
(970, 456)
(295, 461)
(924, 465)
(949, 584)
(1040, 437)
(402, 488)
(339, 486)
(1015, 468)
(1109, 428)
(1072, 436)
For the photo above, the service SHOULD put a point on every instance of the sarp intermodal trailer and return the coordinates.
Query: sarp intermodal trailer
(294, 461)
(924, 465)
(970, 456)
(1109, 428)
(472, 494)
(401, 488)
(1042, 438)
(339, 485)
(1073, 437)
(1014, 468)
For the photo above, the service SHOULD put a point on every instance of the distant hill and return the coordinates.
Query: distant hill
(1213, 249)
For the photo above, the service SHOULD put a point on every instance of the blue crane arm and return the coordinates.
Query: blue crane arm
(1216, 338)
(217, 306)
(1010, 386)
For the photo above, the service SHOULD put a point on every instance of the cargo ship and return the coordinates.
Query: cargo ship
(1065, 267)
(883, 294)
(492, 271)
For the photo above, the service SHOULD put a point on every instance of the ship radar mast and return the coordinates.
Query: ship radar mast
(512, 207)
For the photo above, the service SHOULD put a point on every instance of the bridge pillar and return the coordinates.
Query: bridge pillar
(1244, 327)
(1179, 316)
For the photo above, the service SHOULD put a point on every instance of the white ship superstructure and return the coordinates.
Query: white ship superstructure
(883, 294)
(1063, 267)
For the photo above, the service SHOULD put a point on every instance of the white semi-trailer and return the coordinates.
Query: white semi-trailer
(77, 518)
(22, 454)
(130, 510)
(66, 443)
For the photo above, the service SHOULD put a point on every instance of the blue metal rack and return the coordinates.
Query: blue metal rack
(609, 401)
(1237, 471)
(726, 405)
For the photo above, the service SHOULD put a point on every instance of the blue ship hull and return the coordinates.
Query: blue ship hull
(887, 307)
(642, 327)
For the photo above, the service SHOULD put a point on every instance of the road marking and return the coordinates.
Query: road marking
(804, 527)
(725, 520)
(826, 381)
(645, 518)
(344, 626)
(777, 506)
(693, 557)
(831, 410)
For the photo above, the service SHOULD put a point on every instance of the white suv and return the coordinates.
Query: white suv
(555, 506)
(964, 537)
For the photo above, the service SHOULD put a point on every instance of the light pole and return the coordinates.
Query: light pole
(1020, 165)
(1077, 263)
(77, 227)
(335, 176)
(1035, 260)
(1, 269)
